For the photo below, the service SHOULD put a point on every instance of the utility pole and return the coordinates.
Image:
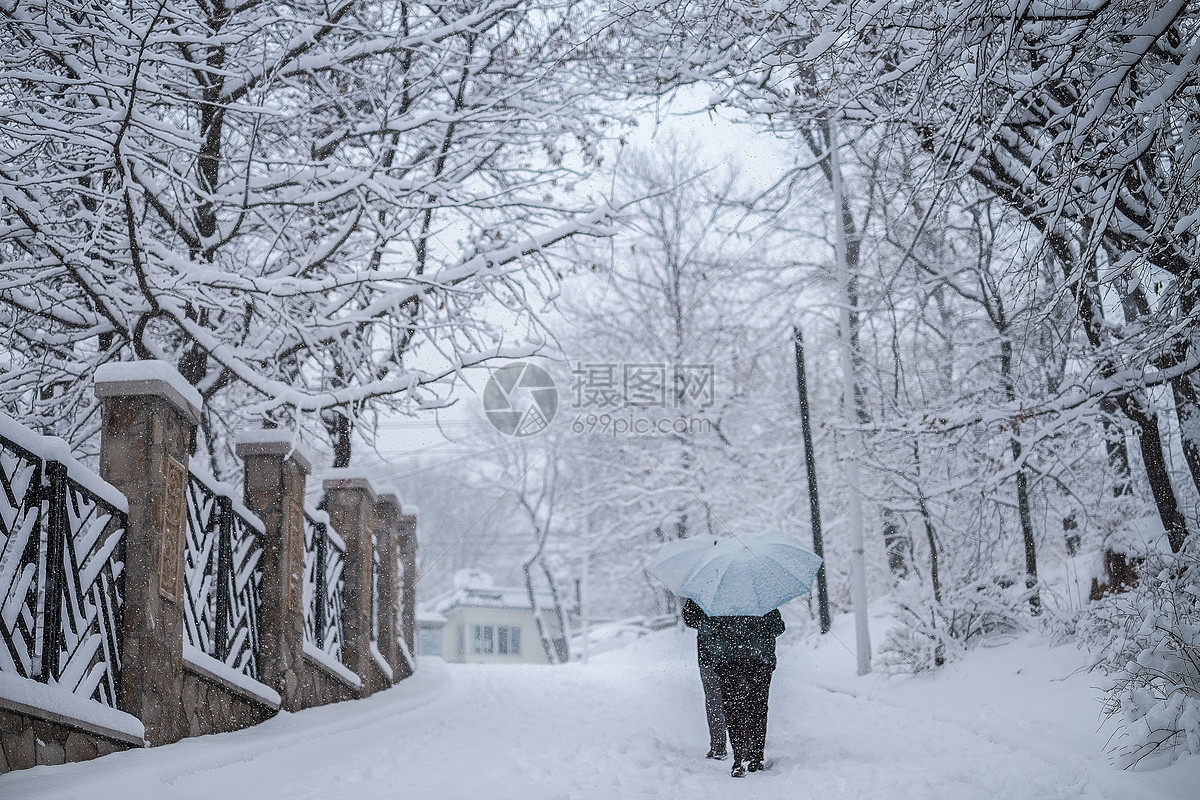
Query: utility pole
(810, 465)
(858, 574)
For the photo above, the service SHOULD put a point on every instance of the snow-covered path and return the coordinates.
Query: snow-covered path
(630, 725)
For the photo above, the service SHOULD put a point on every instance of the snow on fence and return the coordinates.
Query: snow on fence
(324, 559)
(222, 576)
(61, 568)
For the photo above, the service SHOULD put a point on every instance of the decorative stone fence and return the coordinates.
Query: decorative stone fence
(150, 602)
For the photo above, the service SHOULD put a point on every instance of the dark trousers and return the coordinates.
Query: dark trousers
(745, 686)
(713, 708)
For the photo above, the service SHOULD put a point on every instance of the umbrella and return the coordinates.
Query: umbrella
(677, 558)
(748, 576)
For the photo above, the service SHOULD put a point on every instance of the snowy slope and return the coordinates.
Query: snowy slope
(1009, 723)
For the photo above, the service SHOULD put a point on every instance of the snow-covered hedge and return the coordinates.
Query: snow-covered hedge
(929, 634)
(1153, 658)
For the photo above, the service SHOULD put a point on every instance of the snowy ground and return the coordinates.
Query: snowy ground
(1017, 722)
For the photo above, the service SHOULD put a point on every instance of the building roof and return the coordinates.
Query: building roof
(425, 615)
(493, 597)
(474, 589)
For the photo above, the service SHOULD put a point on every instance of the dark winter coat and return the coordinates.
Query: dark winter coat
(692, 613)
(693, 616)
(726, 639)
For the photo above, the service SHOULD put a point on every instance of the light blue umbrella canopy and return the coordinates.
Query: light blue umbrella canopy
(677, 558)
(748, 575)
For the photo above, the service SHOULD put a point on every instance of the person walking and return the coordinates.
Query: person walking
(693, 616)
(742, 650)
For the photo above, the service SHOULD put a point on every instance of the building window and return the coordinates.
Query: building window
(508, 640)
(503, 640)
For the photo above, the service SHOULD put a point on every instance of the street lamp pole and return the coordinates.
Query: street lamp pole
(858, 579)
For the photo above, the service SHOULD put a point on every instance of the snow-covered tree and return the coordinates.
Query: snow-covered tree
(290, 202)
(1077, 114)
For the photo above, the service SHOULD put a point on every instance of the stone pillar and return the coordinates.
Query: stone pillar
(149, 423)
(350, 502)
(387, 512)
(407, 555)
(274, 484)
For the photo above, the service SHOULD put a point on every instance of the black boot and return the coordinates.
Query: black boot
(737, 770)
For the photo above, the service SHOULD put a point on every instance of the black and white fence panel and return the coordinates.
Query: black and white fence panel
(62, 542)
(324, 559)
(222, 575)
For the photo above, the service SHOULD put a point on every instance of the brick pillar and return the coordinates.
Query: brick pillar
(387, 513)
(407, 555)
(274, 484)
(350, 502)
(149, 422)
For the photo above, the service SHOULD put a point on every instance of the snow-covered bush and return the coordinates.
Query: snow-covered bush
(1153, 658)
(929, 634)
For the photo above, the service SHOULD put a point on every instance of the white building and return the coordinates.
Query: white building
(480, 623)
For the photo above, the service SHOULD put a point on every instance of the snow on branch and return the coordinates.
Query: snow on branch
(283, 201)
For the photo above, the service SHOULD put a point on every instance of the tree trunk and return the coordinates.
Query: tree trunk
(1023, 512)
(923, 508)
(1150, 440)
(543, 635)
(548, 646)
(1031, 568)
(339, 427)
(895, 539)
(810, 468)
(1132, 404)
(1071, 535)
(1187, 412)
(562, 645)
